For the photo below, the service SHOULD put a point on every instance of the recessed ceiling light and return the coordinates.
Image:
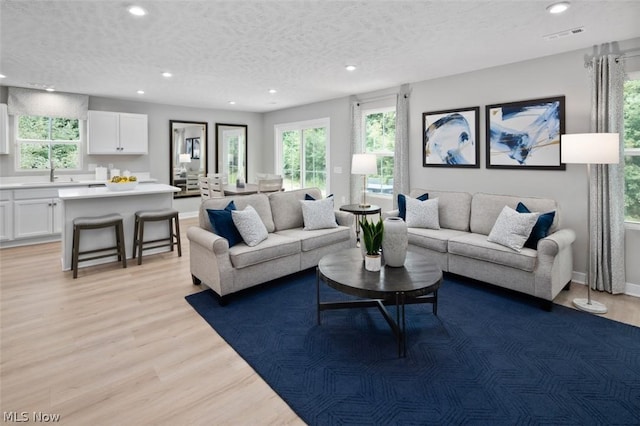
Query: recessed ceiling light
(232, 102)
(140, 92)
(272, 91)
(137, 11)
(50, 89)
(167, 74)
(350, 67)
(3, 76)
(560, 7)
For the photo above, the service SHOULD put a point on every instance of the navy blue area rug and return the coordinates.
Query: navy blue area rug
(489, 357)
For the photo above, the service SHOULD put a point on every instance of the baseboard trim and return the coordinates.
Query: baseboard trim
(187, 215)
(630, 289)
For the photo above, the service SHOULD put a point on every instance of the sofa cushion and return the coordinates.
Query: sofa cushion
(274, 247)
(249, 225)
(512, 228)
(222, 224)
(485, 209)
(286, 208)
(432, 239)
(422, 214)
(476, 246)
(402, 204)
(312, 240)
(453, 207)
(260, 203)
(540, 229)
(318, 214)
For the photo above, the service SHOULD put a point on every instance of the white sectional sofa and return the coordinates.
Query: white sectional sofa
(460, 246)
(288, 248)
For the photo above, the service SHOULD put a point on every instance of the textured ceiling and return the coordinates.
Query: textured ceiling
(219, 51)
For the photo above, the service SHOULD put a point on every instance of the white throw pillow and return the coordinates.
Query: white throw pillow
(422, 214)
(512, 228)
(249, 225)
(318, 214)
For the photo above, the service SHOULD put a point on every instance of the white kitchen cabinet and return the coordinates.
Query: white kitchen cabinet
(6, 216)
(117, 133)
(4, 129)
(36, 213)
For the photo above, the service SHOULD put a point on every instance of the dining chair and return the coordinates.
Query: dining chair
(211, 187)
(270, 185)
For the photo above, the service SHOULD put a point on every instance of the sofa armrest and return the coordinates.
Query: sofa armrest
(554, 243)
(208, 240)
(391, 213)
(344, 218)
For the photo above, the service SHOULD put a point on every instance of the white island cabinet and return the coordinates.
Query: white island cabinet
(82, 202)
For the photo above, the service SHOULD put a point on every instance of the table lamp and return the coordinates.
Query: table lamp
(364, 164)
(184, 158)
(590, 148)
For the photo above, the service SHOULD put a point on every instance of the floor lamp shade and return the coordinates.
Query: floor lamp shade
(185, 158)
(364, 164)
(590, 148)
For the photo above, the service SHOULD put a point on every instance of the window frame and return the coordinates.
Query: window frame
(379, 154)
(18, 142)
(630, 152)
(279, 129)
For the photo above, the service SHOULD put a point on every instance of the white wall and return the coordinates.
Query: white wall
(563, 74)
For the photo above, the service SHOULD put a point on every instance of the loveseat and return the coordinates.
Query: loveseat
(288, 248)
(461, 247)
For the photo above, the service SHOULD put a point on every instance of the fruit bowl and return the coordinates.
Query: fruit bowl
(121, 186)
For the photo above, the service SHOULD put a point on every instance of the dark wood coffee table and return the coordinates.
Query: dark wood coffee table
(417, 282)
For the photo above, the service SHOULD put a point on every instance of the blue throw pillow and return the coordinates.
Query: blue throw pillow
(308, 197)
(223, 225)
(540, 229)
(402, 204)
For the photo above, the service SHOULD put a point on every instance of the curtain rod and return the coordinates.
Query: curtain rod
(377, 98)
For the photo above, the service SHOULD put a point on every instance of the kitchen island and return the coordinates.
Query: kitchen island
(99, 201)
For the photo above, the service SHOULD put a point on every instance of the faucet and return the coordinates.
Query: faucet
(52, 178)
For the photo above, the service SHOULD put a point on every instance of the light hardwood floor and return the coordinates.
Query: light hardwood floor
(122, 346)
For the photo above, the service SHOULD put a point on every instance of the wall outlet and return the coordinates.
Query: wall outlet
(110, 166)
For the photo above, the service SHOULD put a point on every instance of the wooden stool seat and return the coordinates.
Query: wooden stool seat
(98, 222)
(170, 215)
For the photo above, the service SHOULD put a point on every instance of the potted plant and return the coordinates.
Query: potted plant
(372, 233)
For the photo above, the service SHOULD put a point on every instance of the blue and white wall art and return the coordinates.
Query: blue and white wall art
(525, 134)
(450, 138)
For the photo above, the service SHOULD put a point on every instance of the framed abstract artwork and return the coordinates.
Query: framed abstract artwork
(525, 134)
(450, 138)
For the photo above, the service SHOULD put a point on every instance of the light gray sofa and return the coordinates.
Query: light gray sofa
(288, 248)
(461, 245)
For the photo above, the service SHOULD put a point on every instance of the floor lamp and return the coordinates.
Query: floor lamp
(364, 164)
(590, 148)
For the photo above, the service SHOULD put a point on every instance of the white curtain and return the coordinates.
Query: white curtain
(356, 147)
(401, 154)
(47, 104)
(606, 263)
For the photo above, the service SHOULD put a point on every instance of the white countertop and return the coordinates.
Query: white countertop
(28, 182)
(103, 192)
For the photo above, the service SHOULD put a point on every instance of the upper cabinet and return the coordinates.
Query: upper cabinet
(117, 133)
(4, 129)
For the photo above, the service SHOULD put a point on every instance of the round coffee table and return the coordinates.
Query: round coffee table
(417, 282)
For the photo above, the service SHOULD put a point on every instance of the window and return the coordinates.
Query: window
(302, 153)
(43, 142)
(380, 138)
(632, 150)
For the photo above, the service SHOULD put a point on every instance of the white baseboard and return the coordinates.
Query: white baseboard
(630, 289)
(187, 215)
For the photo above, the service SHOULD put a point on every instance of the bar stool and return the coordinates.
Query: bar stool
(170, 215)
(81, 223)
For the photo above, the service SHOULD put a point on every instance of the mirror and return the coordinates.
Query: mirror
(231, 149)
(188, 156)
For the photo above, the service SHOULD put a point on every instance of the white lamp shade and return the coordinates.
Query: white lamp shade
(185, 158)
(364, 164)
(590, 148)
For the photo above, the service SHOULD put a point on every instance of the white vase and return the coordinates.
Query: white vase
(394, 242)
(372, 263)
